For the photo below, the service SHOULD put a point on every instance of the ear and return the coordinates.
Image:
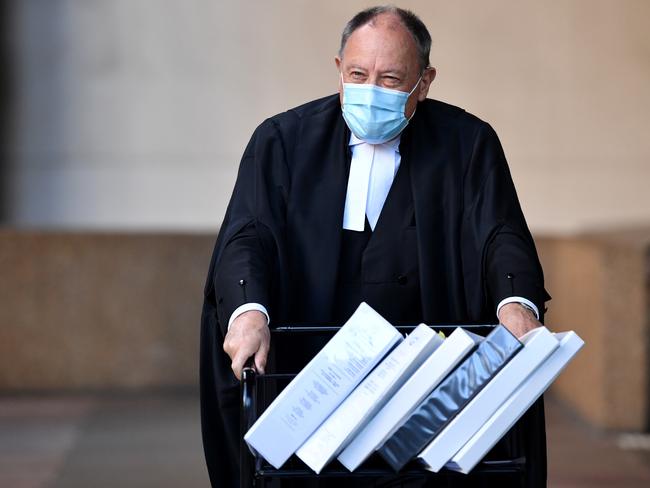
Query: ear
(338, 62)
(427, 78)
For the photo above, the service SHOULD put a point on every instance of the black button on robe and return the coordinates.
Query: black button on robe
(282, 234)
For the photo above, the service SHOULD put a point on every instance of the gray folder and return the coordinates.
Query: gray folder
(449, 397)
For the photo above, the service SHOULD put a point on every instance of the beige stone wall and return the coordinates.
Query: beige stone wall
(135, 114)
(100, 310)
(106, 310)
(601, 287)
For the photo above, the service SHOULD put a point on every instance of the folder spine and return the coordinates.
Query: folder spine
(452, 351)
(445, 401)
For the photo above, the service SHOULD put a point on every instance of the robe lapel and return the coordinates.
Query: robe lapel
(398, 208)
(437, 229)
(322, 164)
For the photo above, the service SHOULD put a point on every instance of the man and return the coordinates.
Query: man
(379, 195)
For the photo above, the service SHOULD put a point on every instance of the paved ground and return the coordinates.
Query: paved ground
(153, 440)
(581, 456)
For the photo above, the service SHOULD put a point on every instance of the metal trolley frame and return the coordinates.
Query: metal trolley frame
(256, 472)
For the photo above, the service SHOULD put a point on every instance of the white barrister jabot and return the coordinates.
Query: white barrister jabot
(372, 171)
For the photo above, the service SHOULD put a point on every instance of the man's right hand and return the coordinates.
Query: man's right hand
(248, 335)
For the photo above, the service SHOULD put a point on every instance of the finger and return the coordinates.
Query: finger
(238, 363)
(241, 355)
(263, 353)
(260, 359)
(228, 345)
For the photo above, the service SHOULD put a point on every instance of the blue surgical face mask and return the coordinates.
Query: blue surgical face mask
(374, 114)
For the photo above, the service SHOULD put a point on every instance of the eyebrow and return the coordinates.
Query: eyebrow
(397, 72)
(355, 66)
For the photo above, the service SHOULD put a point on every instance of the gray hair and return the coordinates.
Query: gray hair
(412, 22)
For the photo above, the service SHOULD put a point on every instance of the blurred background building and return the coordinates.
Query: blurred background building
(121, 128)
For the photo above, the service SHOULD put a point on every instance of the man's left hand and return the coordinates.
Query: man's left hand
(518, 319)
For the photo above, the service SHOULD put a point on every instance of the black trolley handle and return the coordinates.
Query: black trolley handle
(247, 417)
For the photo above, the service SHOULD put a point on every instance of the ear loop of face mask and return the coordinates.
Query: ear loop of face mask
(416, 107)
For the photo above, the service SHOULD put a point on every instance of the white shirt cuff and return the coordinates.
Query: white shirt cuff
(522, 300)
(247, 307)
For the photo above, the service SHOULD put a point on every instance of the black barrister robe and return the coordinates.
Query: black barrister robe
(281, 238)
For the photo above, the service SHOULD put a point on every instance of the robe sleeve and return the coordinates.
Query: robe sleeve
(509, 262)
(249, 253)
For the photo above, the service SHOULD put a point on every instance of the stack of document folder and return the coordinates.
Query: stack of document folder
(445, 402)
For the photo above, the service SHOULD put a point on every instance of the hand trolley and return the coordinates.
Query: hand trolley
(256, 472)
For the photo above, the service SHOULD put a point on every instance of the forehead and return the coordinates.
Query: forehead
(382, 44)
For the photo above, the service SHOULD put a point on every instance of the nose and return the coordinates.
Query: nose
(373, 79)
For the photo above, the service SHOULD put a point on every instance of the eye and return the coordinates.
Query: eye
(390, 80)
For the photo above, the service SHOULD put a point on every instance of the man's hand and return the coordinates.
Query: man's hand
(248, 335)
(518, 319)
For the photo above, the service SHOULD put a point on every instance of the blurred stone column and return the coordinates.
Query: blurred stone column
(5, 106)
(117, 121)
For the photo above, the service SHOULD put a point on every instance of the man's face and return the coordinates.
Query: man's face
(384, 53)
